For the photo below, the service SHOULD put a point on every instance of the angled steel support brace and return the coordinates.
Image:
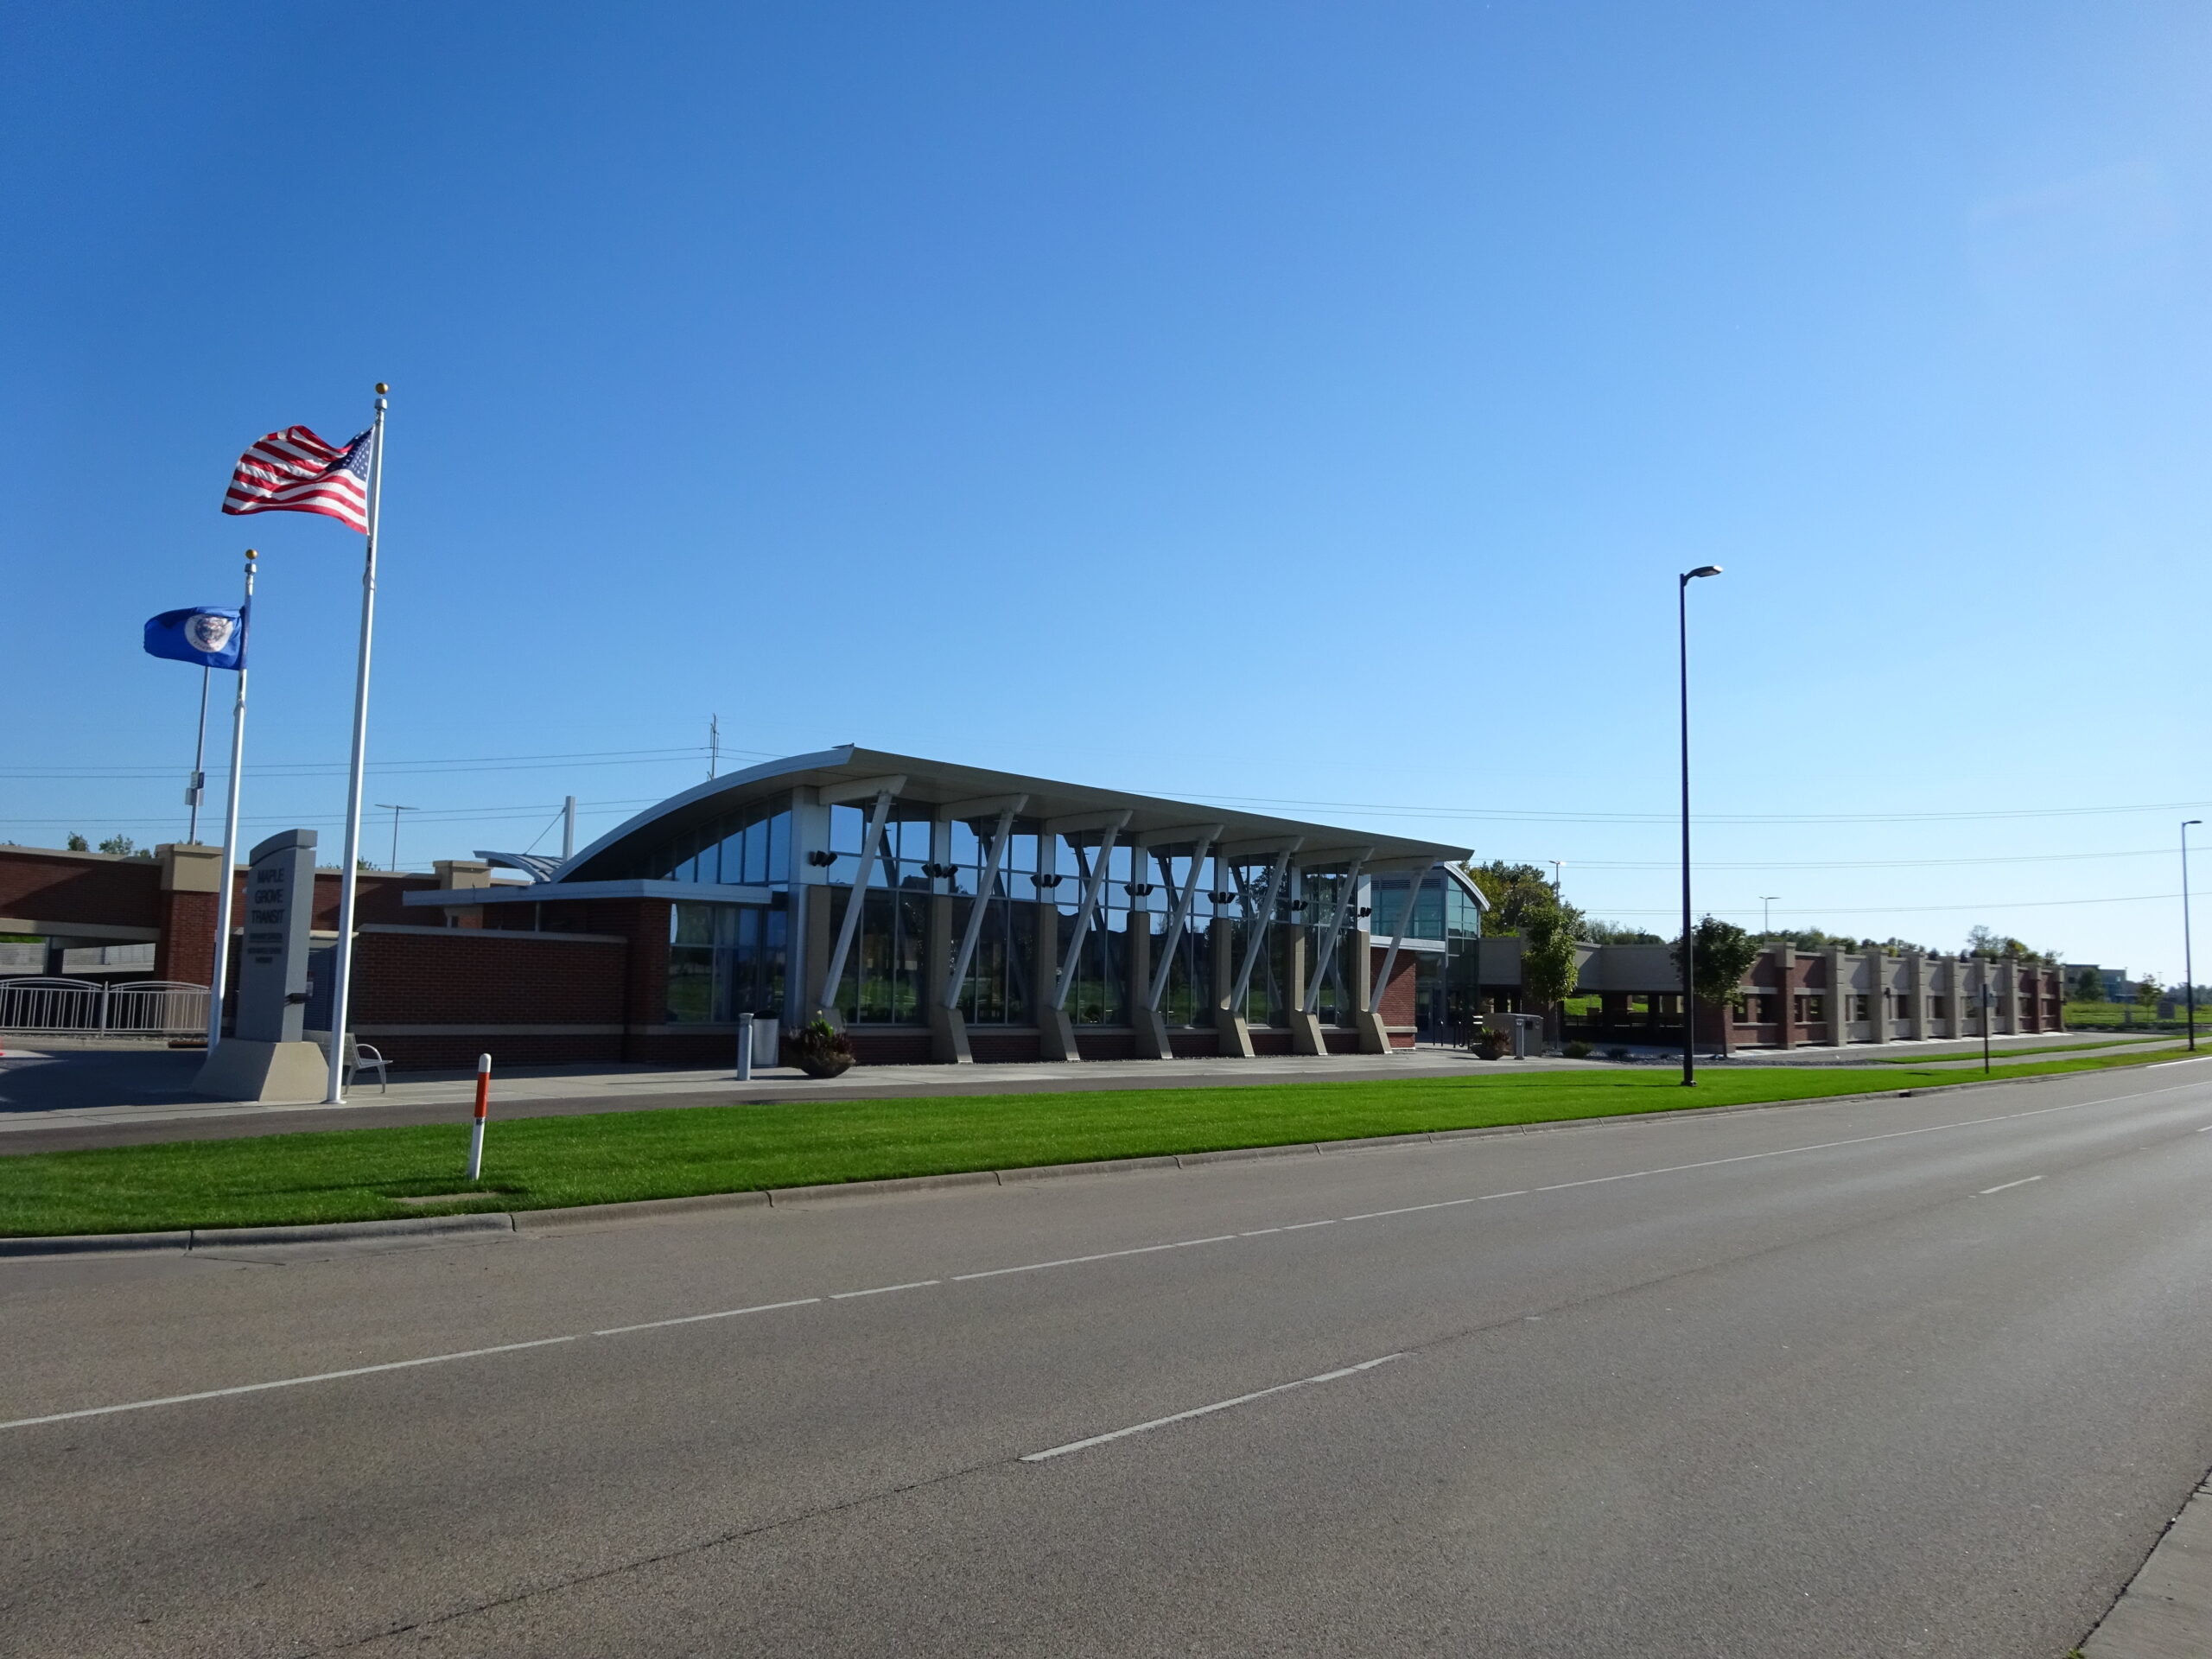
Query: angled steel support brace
(870, 844)
(1327, 953)
(1180, 917)
(1404, 924)
(1091, 891)
(1264, 917)
(974, 932)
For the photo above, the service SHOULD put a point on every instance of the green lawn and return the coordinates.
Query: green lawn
(2129, 1016)
(536, 1163)
(2165, 1040)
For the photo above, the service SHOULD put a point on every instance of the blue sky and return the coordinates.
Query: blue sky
(1282, 403)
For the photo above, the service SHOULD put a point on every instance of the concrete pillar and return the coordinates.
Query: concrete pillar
(1305, 1029)
(948, 1030)
(1878, 1001)
(2010, 991)
(1838, 1002)
(1230, 1024)
(192, 878)
(1055, 1031)
(1150, 1025)
(1785, 964)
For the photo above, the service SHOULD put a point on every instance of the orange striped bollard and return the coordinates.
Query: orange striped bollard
(483, 1111)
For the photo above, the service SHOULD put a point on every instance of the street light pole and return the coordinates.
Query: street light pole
(1766, 912)
(2188, 958)
(1690, 939)
(386, 806)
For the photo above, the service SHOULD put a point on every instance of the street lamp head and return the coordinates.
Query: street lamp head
(2185, 823)
(1702, 570)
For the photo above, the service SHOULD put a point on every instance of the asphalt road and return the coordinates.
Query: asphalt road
(1920, 1377)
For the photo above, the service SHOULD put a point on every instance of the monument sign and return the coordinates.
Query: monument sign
(266, 1057)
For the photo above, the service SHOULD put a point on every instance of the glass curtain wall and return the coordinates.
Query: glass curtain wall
(725, 960)
(1188, 998)
(1002, 973)
(750, 846)
(884, 979)
(1098, 991)
(1448, 998)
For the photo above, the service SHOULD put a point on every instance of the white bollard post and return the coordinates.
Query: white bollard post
(745, 1048)
(483, 1110)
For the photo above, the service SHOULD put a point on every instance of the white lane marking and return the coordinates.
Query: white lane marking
(1205, 1411)
(2007, 1187)
(1407, 1210)
(282, 1383)
(882, 1290)
(2206, 1130)
(1259, 1232)
(694, 1318)
(2160, 1065)
(1102, 1255)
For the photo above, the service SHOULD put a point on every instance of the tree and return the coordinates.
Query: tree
(1548, 967)
(1725, 954)
(119, 844)
(1617, 933)
(2088, 986)
(1512, 892)
(77, 844)
(2148, 991)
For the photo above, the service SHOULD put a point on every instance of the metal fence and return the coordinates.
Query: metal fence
(144, 1008)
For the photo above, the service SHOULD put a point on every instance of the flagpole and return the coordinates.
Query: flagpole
(228, 879)
(349, 879)
(199, 762)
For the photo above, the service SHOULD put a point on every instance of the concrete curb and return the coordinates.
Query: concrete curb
(2164, 1612)
(782, 1197)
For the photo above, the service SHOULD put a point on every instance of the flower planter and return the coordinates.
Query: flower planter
(825, 1066)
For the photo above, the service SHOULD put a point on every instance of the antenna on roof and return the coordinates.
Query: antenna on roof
(713, 746)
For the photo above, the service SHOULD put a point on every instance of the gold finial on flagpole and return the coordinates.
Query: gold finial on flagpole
(382, 388)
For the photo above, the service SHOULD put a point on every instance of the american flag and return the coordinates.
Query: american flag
(294, 471)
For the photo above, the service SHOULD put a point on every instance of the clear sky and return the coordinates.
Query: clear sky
(1282, 403)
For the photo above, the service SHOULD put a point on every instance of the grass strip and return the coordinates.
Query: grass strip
(538, 1163)
(2040, 1049)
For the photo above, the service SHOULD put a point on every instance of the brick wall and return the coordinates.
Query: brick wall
(1397, 1006)
(95, 887)
(439, 996)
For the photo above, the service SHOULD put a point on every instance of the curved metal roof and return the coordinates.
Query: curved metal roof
(939, 784)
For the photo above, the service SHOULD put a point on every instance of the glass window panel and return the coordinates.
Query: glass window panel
(780, 847)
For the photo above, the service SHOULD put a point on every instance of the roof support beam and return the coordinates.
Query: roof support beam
(1405, 922)
(1199, 847)
(1327, 953)
(1262, 918)
(1110, 827)
(975, 928)
(859, 789)
(871, 843)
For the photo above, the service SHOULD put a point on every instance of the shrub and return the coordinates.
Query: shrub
(1617, 1053)
(1575, 1051)
(818, 1039)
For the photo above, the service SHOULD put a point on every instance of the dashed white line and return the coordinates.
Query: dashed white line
(282, 1383)
(2007, 1187)
(696, 1319)
(1102, 1255)
(1205, 1411)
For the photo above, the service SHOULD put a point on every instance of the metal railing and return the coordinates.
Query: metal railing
(145, 1007)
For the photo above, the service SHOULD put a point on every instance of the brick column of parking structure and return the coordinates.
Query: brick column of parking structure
(1837, 1000)
(190, 877)
(1785, 975)
(1878, 998)
(2013, 997)
(1914, 995)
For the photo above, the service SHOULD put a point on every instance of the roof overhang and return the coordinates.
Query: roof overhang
(930, 785)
